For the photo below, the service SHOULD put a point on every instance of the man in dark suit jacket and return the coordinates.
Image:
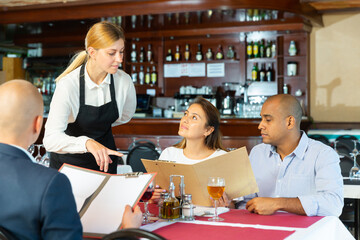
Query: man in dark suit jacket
(35, 202)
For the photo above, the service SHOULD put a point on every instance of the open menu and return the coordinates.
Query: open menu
(234, 166)
(101, 198)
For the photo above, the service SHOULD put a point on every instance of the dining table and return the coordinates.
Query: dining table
(242, 224)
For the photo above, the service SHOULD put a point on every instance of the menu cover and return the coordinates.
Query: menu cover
(234, 166)
(101, 197)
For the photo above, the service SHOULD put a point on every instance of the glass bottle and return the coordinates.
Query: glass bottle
(153, 75)
(141, 75)
(133, 21)
(268, 49)
(249, 50)
(134, 74)
(209, 54)
(262, 73)
(187, 208)
(199, 53)
(256, 49)
(177, 53)
(292, 48)
(149, 54)
(269, 73)
(230, 53)
(133, 53)
(254, 72)
(261, 49)
(169, 56)
(147, 76)
(285, 89)
(273, 49)
(171, 206)
(163, 196)
(142, 54)
(219, 53)
(187, 53)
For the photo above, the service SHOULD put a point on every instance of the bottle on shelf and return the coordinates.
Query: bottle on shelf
(261, 49)
(256, 49)
(262, 73)
(209, 54)
(147, 76)
(199, 55)
(256, 16)
(268, 49)
(177, 53)
(149, 20)
(249, 50)
(149, 54)
(169, 56)
(133, 53)
(273, 49)
(219, 53)
(269, 73)
(153, 75)
(230, 53)
(285, 89)
(187, 17)
(187, 52)
(141, 75)
(134, 74)
(292, 48)
(142, 54)
(133, 21)
(254, 72)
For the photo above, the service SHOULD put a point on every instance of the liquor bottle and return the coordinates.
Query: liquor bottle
(262, 73)
(292, 48)
(273, 49)
(177, 53)
(254, 72)
(187, 17)
(153, 75)
(249, 50)
(149, 54)
(285, 89)
(133, 21)
(256, 49)
(149, 20)
(230, 53)
(199, 55)
(219, 53)
(187, 53)
(262, 49)
(268, 49)
(169, 56)
(269, 73)
(147, 76)
(133, 53)
(134, 74)
(256, 16)
(142, 54)
(141, 75)
(209, 54)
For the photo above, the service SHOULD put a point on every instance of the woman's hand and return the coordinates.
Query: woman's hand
(101, 154)
(156, 196)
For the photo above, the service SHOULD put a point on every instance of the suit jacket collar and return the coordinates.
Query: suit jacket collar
(13, 151)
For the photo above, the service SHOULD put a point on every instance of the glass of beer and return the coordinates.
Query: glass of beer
(216, 187)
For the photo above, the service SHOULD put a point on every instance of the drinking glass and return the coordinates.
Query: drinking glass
(337, 151)
(145, 198)
(38, 156)
(355, 169)
(216, 187)
(31, 149)
(355, 150)
(45, 160)
(158, 146)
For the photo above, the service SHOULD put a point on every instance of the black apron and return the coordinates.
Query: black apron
(95, 123)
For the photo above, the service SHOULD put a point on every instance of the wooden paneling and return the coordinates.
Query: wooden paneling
(13, 68)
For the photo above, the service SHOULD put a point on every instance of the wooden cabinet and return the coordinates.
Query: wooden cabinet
(213, 30)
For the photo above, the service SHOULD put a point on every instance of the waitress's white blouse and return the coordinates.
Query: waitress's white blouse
(65, 104)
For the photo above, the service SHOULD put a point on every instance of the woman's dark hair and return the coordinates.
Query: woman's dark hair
(213, 140)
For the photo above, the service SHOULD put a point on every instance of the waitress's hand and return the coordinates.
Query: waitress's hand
(101, 154)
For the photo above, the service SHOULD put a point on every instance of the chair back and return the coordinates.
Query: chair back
(320, 138)
(4, 234)
(346, 140)
(142, 148)
(346, 164)
(133, 234)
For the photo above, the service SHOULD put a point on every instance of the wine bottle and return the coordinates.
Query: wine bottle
(199, 55)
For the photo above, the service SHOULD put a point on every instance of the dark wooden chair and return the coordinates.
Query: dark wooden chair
(132, 234)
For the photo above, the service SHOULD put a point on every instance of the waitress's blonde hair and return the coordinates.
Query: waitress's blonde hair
(100, 35)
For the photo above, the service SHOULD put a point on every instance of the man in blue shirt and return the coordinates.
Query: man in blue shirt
(294, 173)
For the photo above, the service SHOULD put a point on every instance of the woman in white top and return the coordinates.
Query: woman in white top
(199, 128)
(91, 96)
